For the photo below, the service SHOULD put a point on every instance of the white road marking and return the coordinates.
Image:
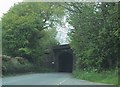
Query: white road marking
(62, 81)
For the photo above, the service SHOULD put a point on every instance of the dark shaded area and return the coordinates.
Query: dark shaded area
(65, 62)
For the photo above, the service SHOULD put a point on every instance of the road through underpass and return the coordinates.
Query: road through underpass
(46, 79)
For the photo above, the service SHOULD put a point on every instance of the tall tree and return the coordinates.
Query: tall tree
(94, 38)
(22, 27)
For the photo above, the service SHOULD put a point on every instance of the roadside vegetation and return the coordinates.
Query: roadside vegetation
(15, 65)
(28, 32)
(19, 65)
(107, 77)
(95, 40)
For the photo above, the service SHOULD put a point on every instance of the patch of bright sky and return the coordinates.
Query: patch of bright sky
(6, 4)
(63, 31)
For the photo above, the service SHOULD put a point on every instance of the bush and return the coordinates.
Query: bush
(15, 65)
(109, 77)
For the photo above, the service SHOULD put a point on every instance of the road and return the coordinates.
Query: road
(46, 79)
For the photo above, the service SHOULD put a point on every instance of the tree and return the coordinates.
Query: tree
(94, 38)
(23, 26)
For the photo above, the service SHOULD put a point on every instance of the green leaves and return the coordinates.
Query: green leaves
(24, 51)
(23, 28)
(94, 40)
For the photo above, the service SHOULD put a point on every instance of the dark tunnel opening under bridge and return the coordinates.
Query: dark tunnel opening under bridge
(65, 63)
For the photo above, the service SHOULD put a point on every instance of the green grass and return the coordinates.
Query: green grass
(109, 77)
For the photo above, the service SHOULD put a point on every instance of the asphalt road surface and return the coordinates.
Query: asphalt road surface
(45, 79)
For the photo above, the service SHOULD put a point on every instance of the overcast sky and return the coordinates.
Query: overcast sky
(6, 4)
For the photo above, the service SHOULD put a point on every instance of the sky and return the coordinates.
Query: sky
(6, 4)
(63, 30)
(61, 36)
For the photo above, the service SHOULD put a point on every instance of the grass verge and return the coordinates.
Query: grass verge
(108, 77)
